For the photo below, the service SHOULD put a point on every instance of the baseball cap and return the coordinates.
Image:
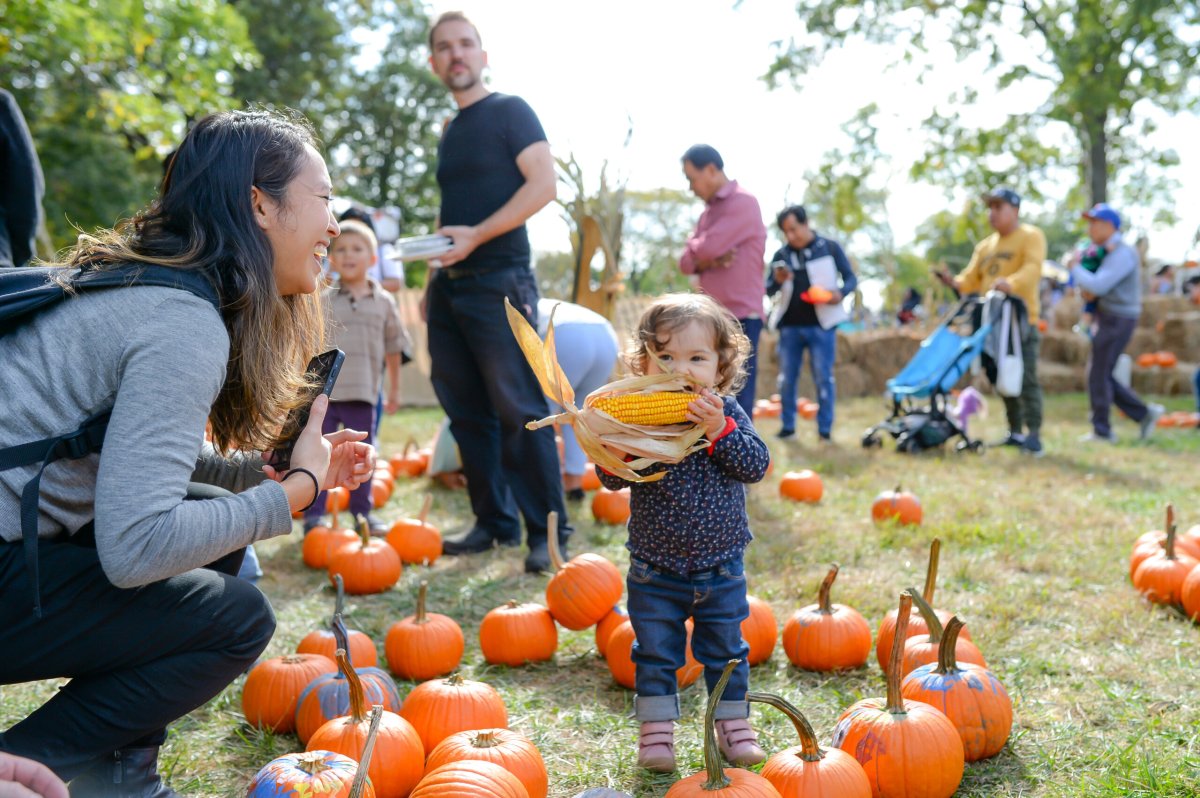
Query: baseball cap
(1004, 195)
(1105, 213)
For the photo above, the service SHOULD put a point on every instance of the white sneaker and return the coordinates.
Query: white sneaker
(1147, 424)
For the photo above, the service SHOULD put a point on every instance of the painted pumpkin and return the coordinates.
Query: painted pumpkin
(907, 748)
(329, 695)
(307, 775)
(968, 694)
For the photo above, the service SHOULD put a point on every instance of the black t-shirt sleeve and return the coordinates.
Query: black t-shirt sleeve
(522, 126)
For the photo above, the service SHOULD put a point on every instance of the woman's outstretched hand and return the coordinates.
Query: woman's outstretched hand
(351, 462)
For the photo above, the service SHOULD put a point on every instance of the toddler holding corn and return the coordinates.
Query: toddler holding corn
(688, 530)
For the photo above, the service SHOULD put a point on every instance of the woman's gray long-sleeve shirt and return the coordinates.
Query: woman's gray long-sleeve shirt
(157, 357)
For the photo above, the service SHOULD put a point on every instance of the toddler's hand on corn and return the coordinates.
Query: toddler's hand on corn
(708, 411)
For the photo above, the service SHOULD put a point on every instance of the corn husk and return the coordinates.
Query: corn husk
(606, 440)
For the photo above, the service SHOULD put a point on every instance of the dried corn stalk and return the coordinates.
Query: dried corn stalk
(605, 439)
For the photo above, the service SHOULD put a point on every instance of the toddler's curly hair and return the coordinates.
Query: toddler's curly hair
(673, 312)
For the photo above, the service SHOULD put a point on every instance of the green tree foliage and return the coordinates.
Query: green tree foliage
(657, 224)
(384, 140)
(107, 88)
(1098, 60)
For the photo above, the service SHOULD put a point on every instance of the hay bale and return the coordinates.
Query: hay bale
(1066, 312)
(1181, 335)
(850, 380)
(1067, 348)
(1061, 377)
(1144, 339)
(1156, 308)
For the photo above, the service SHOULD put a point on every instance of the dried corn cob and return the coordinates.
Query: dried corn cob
(658, 408)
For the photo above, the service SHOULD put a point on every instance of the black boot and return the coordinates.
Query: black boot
(130, 773)
(538, 561)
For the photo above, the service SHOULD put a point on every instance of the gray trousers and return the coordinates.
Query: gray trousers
(1112, 336)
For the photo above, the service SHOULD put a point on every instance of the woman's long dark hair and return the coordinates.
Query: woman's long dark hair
(203, 221)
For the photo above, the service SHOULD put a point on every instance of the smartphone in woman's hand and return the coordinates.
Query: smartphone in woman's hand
(323, 369)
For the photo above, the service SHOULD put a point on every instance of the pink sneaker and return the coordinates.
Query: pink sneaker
(656, 746)
(739, 743)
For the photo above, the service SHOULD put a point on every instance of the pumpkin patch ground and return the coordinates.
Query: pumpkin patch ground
(1034, 559)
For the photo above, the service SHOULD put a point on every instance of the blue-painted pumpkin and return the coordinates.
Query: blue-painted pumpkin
(312, 774)
(328, 696)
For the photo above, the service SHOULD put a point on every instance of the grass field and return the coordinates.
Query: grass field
(1034, 557)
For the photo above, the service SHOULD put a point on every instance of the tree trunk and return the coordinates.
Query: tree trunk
(1097, 154)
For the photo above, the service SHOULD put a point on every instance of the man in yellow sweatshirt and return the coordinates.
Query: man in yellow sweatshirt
(1010, 260)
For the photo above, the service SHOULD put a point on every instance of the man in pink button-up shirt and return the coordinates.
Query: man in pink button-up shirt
(726, 250)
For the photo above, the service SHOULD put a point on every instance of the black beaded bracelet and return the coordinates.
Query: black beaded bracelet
(316, 485)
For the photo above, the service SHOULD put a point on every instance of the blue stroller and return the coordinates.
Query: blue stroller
(939, 364)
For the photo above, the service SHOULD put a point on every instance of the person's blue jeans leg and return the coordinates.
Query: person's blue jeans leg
(718, 609)
(823, 346)
(1196, 388)
(752, 328)
(791, 354)
(659, 605)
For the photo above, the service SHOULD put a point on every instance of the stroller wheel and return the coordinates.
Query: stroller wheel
(871, 441)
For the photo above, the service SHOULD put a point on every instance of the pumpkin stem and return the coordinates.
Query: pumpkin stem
(825, 607)
(358, 699)
(931, 620)
(364, 530)
(556, 559)
(364, 762)
(1170, 544)
(455, 679)
(895, 496)
(485, 739)
(425, 507)
(340, 602)
(946, 660)
(717, 780)
(333, 524)
(409, 446)
(341, 636)
(935, 550)
(895, 701)
(810, 749)
(312, 762)
(419, 616)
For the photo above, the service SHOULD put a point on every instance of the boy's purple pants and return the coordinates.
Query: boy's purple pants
(358, 416)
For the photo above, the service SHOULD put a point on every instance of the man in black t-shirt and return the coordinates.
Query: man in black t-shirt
(495, 170)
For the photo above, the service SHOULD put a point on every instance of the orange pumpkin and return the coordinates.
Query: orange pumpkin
(616, 616)
(397, 756)
(765, 408)
(801, 486)
(906, 747)
(1189, 594)
(515, 634)
(896, 504)
(916, 624)
(1166, 360)
(321, 541)
(1155, 542)
(272, 687)
(309, 773)
(330, 695)
(714, 780)
(611, 506)
(1043, 325)
(581, 591)
(508, 749)
(470, 778)
(759, 631)
(417, 541)
(368, 565)
(806, 770)
(922, 650)
(325, 642)
(1160, 577)
(968, 694)
(424, 645)
(337, 500)
(1147, 359)
(826, 636)
(410, 462)
(381, 491)
(808, 411)
(591, 480)
(440, 707)
(619, 656)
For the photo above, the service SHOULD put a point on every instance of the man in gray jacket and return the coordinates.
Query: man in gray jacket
(1117, 289)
